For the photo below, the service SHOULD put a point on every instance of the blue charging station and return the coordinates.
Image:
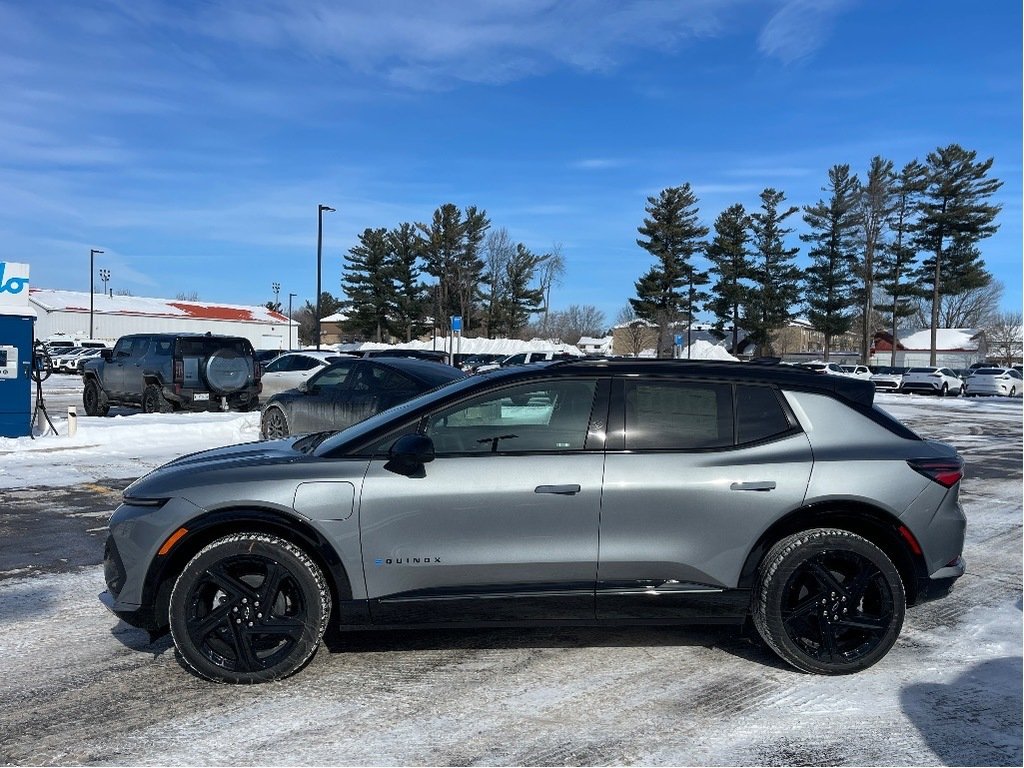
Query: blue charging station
(16, 331)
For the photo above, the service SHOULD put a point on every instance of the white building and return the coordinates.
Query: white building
(954, 348)
(66, 314)
(593, 346)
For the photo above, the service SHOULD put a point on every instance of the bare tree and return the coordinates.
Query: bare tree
(571, 324)
(635, 331)
(1005, 337)
(974, 308)
(552, 270)
(187, 296)
(498, 252)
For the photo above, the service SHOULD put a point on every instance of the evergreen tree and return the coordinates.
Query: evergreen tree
(874, 204)
(954, 216)
(470, 267)
(895, 260)
(831, 278)
(776, 280)
(520, 300)
(368, 284)
(730, 261)
(673, 236)
(409, 303)
(442, 247)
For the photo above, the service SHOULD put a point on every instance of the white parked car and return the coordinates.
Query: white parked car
(289, 370)
(856, 371)
(934, 381)
(830, 369)
(77, 364)
(522, 358)
(887, 378)
(1007, 382)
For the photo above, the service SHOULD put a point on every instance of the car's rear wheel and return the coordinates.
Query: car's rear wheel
(828, 601)
(275, 423)
(153, 400)
(249, 608)
(94, 399)
(945, 390)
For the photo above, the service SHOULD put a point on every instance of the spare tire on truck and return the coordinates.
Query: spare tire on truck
(227, 371)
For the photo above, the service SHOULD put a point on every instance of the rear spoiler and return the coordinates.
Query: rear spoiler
(859, 391)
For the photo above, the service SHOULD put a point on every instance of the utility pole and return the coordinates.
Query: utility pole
(319, 261)
(92, 283)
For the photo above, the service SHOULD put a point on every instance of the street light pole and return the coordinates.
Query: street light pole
(105, 277)
(290, 297)
(319, 261)
(276, 288)
(92, 283)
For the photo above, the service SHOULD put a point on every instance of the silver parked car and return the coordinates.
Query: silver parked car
(576, 492)
(994, 381)
(887, 378)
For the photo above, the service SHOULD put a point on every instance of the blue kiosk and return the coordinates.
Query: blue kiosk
(17, 319)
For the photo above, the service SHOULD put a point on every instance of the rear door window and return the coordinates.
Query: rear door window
(678, 416)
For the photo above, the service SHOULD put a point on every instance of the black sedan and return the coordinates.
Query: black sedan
(349, 391)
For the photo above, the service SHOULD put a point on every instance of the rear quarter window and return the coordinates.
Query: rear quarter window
(759, 415)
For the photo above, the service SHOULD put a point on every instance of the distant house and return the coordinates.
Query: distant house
(65, 314)
(595, 346)
(799, 340)
(954, 348)
(332, 329)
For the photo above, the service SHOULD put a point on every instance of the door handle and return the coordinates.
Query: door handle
(563, 490)
(757, 485)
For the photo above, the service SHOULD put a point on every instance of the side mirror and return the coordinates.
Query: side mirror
(303, 386)
(107, 354)
(409, 453)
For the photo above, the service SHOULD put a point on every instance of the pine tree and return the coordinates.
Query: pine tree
(831, 278)
(776, 280)
(895, 260)
(673, 236)
(520, 300)
(367, 282)
(409, 305)
(954, 216)
(730, 260)
(470, 267)
(874, 204)
(442, 247)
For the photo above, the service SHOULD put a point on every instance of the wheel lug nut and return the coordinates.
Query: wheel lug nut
(238, 621)
(259, 615)
(250, 623)
(246, 600)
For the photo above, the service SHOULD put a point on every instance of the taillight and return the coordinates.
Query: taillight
(945, 472)
(257, 370)
(179, 372)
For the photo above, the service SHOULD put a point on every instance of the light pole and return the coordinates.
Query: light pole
(319, 261)
(92, 283)
(105, 277)
(290, 297)
(276, 288)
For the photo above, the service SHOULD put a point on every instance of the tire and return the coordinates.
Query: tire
(249, 608)
(275, 424)
(153, 400)
(944, 391)
(94, 399)
(828, 601)
(227, 372)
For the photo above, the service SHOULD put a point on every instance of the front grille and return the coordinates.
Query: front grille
(113, 568)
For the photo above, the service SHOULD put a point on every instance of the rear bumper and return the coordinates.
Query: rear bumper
(940, 583)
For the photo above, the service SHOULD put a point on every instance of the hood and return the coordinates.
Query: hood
(231, 462)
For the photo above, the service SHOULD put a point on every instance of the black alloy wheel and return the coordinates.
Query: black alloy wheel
(275, 424)
(249, 608)
(829, 601)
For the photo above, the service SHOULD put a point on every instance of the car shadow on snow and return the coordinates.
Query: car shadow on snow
(728, 639)
(141, 640)
(26, 600)
(973, 720)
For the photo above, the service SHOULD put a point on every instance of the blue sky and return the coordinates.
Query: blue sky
(192, 141)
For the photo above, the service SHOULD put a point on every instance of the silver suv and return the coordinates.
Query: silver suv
(573, 492)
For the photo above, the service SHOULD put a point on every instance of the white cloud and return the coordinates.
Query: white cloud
(799, 28)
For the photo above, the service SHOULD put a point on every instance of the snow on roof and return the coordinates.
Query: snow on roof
(471, 346)
(337, 317)
(135, 306)
(946, 339)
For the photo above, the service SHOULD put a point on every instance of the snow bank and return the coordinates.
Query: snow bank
(471, 346)
(705, 350)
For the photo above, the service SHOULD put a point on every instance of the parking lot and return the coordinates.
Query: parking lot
(81, 687)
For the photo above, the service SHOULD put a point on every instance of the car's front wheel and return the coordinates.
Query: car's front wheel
(249, 608)
(828, 601)
(275, 424)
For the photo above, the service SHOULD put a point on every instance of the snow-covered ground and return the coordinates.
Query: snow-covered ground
(79, 687)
